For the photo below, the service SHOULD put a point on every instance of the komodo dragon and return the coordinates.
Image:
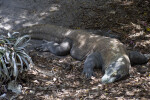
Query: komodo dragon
(98, 51)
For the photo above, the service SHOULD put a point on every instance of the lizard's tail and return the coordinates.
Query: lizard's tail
(147, 56)
(43, 31)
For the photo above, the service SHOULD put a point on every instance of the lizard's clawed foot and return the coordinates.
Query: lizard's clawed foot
(88, 72)
(44, 47)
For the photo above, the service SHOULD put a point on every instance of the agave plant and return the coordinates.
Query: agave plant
(13, 58)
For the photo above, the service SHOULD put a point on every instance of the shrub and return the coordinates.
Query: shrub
(13, 58)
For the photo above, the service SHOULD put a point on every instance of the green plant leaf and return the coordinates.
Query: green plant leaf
(15, 73)
(5, 60)
(4, 67)
(26, 62)
(26, 56)
(21, 63)
(2, 49)
(7, 41)
(15, 34)
(19, 49)
(0, 70)
(21, 40)
(11, 72)
(8, 56)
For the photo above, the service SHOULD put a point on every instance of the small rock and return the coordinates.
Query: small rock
(54, 79)
(32, 92)
(130, 93)
(2, 96)
(14, 87)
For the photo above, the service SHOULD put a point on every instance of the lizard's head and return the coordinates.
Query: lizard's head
(116, 71)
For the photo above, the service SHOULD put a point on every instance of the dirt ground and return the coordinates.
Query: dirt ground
(60, 78)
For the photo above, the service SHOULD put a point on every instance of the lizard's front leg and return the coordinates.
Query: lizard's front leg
(61, 49)
(92, 61)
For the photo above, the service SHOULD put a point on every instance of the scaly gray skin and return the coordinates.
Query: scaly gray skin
(138, 58)
(99, 51)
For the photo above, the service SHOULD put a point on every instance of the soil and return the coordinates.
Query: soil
(60, 78)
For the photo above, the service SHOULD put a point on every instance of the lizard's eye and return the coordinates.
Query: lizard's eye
(114, 74)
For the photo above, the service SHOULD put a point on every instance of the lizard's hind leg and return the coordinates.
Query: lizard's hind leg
(61, 49)
(138, 58)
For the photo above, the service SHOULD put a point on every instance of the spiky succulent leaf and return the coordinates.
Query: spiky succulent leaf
(4, 68)
(22, 41)
(15, 73)
(7, 55)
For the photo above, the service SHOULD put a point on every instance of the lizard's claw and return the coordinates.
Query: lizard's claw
(43, 47)
(88, 72)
